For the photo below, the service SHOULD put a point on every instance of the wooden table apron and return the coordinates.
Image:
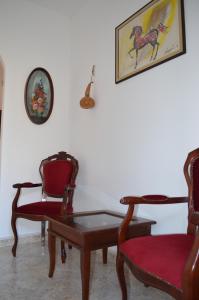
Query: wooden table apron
(88, 239)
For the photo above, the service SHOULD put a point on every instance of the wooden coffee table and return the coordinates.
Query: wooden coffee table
(89, 231)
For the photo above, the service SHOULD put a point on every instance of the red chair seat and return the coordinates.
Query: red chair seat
(163, 256)
(41, 208)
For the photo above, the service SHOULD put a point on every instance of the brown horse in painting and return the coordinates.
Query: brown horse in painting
(141, 40)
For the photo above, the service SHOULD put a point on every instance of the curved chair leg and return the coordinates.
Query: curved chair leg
(14, 229)
(121, 277)
(63, 252)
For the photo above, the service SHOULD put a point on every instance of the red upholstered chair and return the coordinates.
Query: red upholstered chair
(58, 173)
(168, 262)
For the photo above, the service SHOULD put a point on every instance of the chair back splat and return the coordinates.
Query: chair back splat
(58, 173)
(169, 262)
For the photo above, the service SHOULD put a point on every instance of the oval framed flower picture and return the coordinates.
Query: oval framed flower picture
(39, 96)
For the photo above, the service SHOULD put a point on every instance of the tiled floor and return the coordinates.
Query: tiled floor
(26, 277)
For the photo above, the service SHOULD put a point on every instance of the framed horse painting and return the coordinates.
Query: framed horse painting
(151, 36)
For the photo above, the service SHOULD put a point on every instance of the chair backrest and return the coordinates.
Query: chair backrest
(191, 171)
(58, 171)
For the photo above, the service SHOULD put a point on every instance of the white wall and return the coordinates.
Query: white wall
(136, 139)
(30, 37)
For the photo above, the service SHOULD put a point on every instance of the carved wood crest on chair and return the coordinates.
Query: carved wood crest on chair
(58, 174)
(168, 262)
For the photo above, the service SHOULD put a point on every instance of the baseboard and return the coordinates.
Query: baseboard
(22, 240)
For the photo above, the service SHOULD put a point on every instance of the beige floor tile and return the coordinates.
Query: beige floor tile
(26, 277)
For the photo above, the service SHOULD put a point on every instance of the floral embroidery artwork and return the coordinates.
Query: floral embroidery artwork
(39, 99)
(39, 96)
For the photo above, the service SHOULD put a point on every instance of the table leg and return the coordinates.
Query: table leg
(85, 272)
(104, 253)
(63, 252)
(52, 253)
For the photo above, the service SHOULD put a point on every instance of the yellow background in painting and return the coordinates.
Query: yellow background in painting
(152, 17)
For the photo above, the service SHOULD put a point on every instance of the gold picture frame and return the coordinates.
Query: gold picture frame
(151, 36)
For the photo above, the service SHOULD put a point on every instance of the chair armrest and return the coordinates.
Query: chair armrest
(131, 201)
(26, 185)
(152, 199)
(19, 186)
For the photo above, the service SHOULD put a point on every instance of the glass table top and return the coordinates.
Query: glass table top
(91, 220)
(97, 220)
